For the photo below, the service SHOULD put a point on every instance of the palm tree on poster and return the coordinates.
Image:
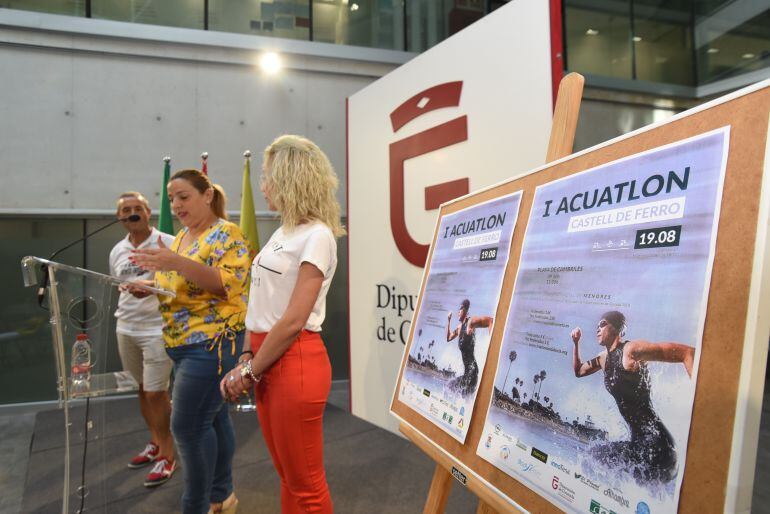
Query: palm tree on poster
(511, 358)
(514, 390)
(541, 378)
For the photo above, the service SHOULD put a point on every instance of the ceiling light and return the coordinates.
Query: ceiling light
(748, 56)
(592, 32)
(354, 7)
(637, 39)
(712, 51)
(270, 62)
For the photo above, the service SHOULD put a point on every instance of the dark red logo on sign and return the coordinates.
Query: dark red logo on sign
(430, 140)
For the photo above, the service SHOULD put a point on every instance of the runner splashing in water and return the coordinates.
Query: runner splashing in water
(650, 455)
(466, 342)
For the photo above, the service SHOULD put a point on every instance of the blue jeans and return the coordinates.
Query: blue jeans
(200, 423)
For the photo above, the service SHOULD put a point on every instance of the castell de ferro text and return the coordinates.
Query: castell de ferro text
(620, 192)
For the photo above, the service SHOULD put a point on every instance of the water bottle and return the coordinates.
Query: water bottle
(81, 364)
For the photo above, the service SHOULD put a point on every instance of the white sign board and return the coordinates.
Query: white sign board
(471, 111)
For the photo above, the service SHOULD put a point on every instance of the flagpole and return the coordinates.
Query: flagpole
(248, 227)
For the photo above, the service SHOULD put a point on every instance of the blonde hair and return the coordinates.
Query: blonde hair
(132, 194)
(302, 183)
(202, 182)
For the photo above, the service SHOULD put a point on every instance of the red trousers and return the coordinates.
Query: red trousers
(291, 398)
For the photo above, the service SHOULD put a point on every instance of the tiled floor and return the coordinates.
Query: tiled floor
(16, 427)
(15, 440)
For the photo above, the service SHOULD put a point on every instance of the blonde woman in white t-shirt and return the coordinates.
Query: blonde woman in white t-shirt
(286, 359)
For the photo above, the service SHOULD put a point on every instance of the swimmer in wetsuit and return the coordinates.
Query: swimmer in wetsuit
(650, 455)
(466, 342)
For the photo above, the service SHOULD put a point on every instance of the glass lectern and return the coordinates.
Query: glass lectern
(80, 303)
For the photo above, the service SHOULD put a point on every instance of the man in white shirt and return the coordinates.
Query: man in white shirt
(140, 339)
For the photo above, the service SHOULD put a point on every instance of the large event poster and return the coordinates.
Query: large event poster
(456, 314)
(594, 388)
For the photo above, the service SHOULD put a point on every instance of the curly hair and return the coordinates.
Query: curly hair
(302, 183)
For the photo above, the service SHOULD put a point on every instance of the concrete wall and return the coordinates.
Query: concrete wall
(90, 107)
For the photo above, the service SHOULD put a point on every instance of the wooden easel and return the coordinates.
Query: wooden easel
(560, 144)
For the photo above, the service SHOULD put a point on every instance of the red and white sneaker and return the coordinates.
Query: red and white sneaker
(148, 455)
(161, 472)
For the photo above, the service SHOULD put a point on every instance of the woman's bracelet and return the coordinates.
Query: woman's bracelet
(246, 351)
(246, 371)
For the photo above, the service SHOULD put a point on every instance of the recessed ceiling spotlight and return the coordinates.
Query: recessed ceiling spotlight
(270, 62)
(592, 32)
(354, 7)
(637, 39)
(748, 56)
(712, 51)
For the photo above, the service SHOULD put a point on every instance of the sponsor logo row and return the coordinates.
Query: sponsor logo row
(562, 489)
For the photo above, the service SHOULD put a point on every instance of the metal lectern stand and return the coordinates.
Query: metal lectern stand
(79, 303)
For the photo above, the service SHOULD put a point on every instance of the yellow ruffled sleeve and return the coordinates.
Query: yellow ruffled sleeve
(230, 255)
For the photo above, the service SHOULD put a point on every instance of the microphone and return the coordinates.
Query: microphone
(133, 217)
(41, 290)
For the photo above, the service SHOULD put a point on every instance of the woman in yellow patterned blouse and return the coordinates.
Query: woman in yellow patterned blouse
(207, 267)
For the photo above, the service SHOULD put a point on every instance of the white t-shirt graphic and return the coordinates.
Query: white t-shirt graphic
(136, 316)
(275, 269)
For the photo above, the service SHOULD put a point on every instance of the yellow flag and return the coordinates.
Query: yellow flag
(248, 216)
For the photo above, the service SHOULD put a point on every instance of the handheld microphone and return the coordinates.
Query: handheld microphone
(41, 290)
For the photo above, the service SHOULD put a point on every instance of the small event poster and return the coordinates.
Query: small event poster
(456, 315)
(594, 388)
